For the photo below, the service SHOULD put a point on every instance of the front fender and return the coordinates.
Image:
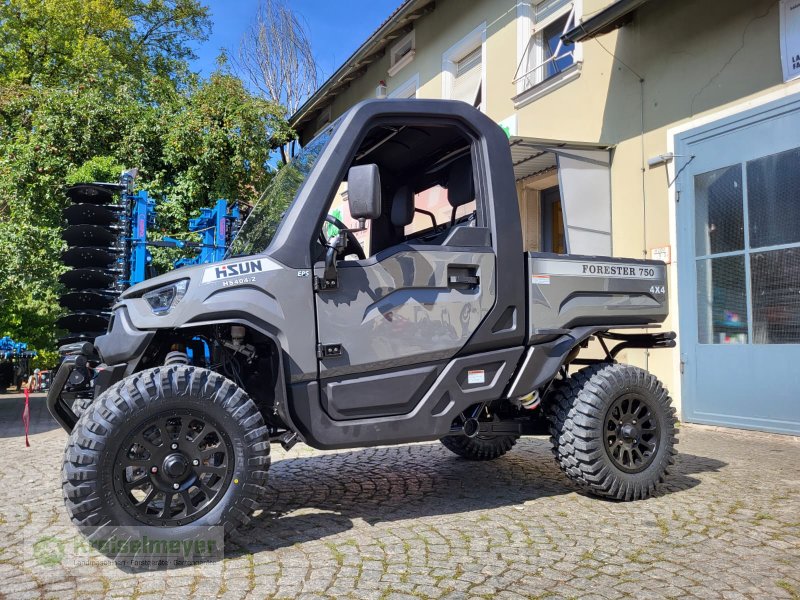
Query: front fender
(123, 343)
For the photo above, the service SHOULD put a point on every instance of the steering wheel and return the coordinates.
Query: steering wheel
(353, 247)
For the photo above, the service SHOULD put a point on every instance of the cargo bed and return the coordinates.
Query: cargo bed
(568, 291)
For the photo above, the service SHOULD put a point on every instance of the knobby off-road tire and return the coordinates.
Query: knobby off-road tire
(613, 430)
(80, 405)
(479, 448)
(134, 426)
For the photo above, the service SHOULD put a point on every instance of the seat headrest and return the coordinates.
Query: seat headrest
(460, 185)
(402, 206)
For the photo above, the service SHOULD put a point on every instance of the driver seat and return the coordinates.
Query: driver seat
(402, 213)
(460, 185)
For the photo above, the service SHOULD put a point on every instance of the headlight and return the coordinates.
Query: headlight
(162, 300)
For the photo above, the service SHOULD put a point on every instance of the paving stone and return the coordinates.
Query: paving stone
(417, 522)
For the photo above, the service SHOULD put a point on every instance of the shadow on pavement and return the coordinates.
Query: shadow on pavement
(410, 482)
(11, 406)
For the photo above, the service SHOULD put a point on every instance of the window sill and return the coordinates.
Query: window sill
(548, 85)
(396, 67)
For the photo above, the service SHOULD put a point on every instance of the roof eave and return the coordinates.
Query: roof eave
(608, 19)
(357, 63)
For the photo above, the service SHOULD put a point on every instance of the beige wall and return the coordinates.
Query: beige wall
(696, 57)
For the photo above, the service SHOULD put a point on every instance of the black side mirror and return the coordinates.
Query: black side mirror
(364, 192)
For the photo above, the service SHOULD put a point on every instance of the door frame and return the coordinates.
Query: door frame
(679, 141)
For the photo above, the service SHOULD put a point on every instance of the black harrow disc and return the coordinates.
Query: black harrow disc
(91, 235)
(82, 322)
(89, 256)
(85, 279)
(92, 214)
(88, 300)
(94, 193)
(79, 337)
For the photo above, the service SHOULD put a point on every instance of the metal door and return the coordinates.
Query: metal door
(738, 216)
(394, 320)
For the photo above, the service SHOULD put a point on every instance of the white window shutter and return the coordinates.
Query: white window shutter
(467, 79)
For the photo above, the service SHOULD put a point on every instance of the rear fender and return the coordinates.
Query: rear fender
(541, 362)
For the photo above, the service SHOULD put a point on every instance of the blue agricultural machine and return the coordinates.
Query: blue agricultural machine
(109, 234)
(14, 362)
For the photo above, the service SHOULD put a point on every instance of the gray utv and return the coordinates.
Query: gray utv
(447, 331)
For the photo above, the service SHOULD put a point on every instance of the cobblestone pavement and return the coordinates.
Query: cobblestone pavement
(417, 522)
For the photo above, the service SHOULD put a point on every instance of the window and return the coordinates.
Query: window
(432, 208)
(427, 178)
(402, 53)
(323, 119)
(467, 84)
(406, 89)
(462, 69)
(747, 250)
(542, 55)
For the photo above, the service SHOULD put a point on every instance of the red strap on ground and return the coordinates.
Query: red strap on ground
(26, 417)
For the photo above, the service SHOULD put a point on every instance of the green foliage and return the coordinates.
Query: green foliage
(89, 42)
(90, 87)
(45, 360)
(98, 168)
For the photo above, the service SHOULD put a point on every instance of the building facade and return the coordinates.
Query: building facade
(665, 129)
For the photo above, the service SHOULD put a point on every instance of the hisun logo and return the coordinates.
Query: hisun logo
(246, 267)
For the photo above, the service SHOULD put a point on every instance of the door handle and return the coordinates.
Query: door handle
(463, 280)
(460, 276)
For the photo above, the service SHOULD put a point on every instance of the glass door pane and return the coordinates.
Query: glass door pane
(776, 296)
(773, 199)
(721, 300)
(719, 211)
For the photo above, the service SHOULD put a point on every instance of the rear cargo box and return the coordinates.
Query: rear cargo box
(571, 291)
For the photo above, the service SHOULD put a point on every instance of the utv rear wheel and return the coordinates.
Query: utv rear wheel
(613, 430)
(167, 447)
(479, 447)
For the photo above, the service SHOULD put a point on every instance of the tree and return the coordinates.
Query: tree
(89, 87)
(275, 57)
(109, 42)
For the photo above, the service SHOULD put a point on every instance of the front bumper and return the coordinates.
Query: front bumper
(83, 357)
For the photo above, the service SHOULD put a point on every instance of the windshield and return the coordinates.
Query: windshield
(261, 224)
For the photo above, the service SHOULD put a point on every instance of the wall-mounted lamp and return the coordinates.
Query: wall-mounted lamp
(380, 91)
(665, 159)
(661, 159)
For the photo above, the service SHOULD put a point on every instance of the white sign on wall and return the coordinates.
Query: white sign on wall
(790, 39)
(509, 125)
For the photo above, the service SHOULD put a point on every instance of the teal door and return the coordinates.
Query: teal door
(738, 216)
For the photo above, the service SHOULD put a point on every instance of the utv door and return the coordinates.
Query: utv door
(395, 319)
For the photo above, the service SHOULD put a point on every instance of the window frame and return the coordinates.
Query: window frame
(402, 90)
(450, 58)
(397, 63)
(528, 84)
(323, 119)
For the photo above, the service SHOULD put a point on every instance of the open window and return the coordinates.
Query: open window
(402, 52)
(543, 60)
(427, 187)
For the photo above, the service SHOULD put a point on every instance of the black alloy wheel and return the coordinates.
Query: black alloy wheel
(631, 433)
(174, 468)
(613, 430)
(166, 448)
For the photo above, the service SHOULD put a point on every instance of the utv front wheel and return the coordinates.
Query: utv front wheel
(613, 430)
(479, 447)
(167, 447)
